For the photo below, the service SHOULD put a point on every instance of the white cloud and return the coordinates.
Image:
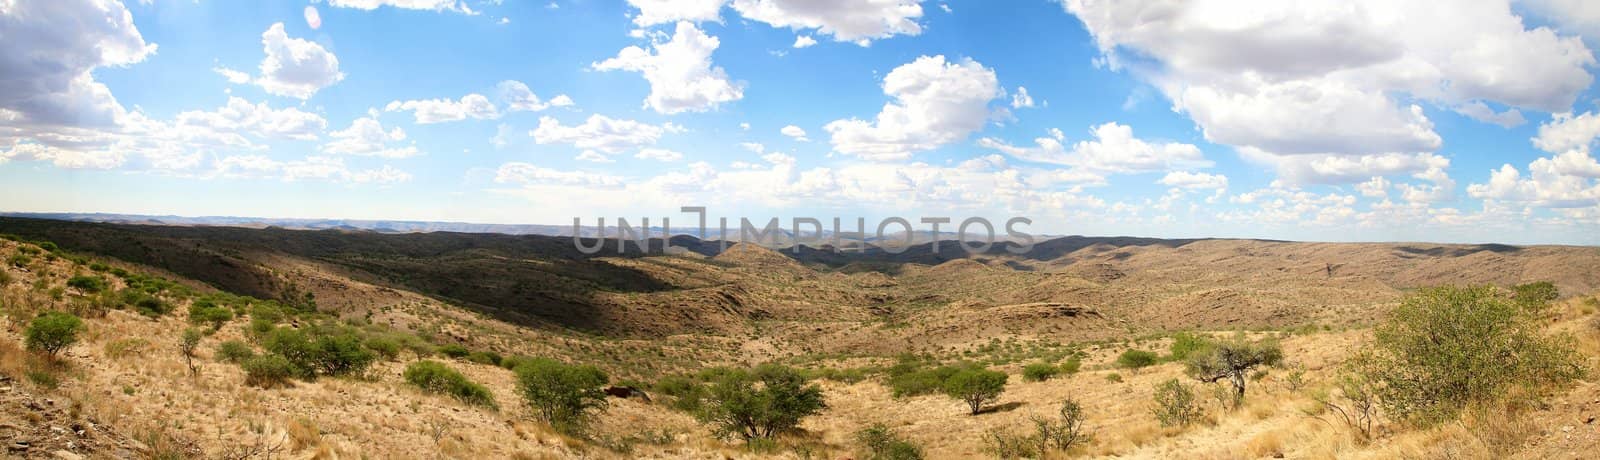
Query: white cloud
(681, 75)
(755, 147)
(295, 67)
(652, 12)
(934, 103)
(313, 19)
(1377, 187)
(431, 5)
(593, 156)
(847, 21)
(804, 41)
(260, 119)
(601, 133)
(1021, 98)
(1194, 181)
(1477, 110)
(744, 126)
(518, 97)
(1114, 150)
(1568, 132)
(48, 55)
(366, 137)
(428, 111)
(234, 76)
(314, 168)
(794, 132)
(658, 154)
(525, 173)
(1344, 169)
(1330, 77)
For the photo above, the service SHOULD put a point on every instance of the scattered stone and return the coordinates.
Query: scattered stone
(65, 455)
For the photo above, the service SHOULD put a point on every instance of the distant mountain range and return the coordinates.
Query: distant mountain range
(415, 226)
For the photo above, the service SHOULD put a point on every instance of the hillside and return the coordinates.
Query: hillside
(844, 318)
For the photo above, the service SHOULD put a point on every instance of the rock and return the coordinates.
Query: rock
(1589, 419)
(1566, 428)
(64, 455)
(19, 446)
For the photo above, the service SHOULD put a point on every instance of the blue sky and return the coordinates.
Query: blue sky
(1313, 121)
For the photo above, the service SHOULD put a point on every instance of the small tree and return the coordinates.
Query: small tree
(435, 377)
(1175, 404)
(52, 332)
(267, 371)
(759, 403)
(1233, 361)
(976, 387)
(881, 443)
(563, 396)
(1062, 433)
(1135, 359)
(1355, 404)
(190, 341)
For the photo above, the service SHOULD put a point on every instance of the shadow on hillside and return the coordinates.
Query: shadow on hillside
(1458, 251)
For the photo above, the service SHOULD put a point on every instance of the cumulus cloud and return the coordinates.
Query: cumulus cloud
(427, 111)
(934, 103)
(846, 21)
(525, 173)
(239, 115)
(804, 41)
(366, 137)
(681, 75)
(518, 97)
(658, 154)
(601, 133)
(1569, 178)
(314, 168)
(1114, 150)
(1245, 72)
(430, 5)
(49, 53)
(794, 132)
(1477, 110)
(652, 12)
(1021, 99)
(295, 67)
(1194, 180)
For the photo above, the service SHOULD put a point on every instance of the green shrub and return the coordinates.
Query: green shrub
(1114, 377)
(1038, 372)
(1446, 348)
(268, 371)
(1175, 404)
(19, 260)
(1008, 446)
(234, 351)
(758, 403)
(484, 357)
(454, 351)
(511, 362)
(52, 331)
(385, 346)
(207, 312)
(908, 379)
(87, 284)
(881, 443)
(565, 396)
(293, 346)
(341, 353)
(1135, 359)
(1185, 344)
(1535, 297)
(149, 305)
(976, 387)
(5, 278)
(687, 393)
(99, 267)
(435, 377)
(1072, 365)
